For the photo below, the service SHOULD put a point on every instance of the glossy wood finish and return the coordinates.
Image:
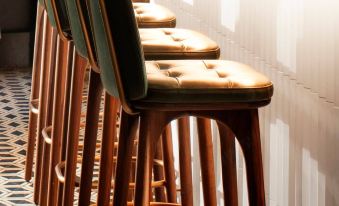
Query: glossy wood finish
(245, 125)
(78, 74)
(65, 115)
(158, 174)
(228, 161)
(48, 112)
(50, 36)
(107, 149)
(40, 28)
(207, 161)
(167, 149)
(90, 138)
(125, 150)
(149, 135)
(185, 161)
(63, 64)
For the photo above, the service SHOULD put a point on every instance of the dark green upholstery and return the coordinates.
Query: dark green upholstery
(125, 35)
(50, 14)
(62, 13)
(77, 33)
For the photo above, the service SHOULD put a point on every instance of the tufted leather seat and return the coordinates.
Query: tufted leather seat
(205, 81)
(177, 43)
(153, 16)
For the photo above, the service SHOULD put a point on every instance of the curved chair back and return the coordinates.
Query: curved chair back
(58, 16)
(119, 51)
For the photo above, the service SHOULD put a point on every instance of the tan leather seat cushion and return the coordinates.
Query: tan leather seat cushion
(177, 44)
(153, 16)
(189, 81)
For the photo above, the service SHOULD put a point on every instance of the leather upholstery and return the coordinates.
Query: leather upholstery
(153, 16)
(148, 16)
(50, 15)
(127, 46)
(170, 43)
(61, 7)
(205, 81)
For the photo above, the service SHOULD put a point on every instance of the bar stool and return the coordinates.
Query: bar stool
(215, 51)
(229, 92)
(207, 52)
(148, 15)
(168, 20)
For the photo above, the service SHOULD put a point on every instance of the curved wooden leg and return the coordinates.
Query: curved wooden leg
(42, 119)
(37, 56)
(185, 161)
(65, 114)
(109, 134)
(128, 128)
(56, 135)
(207, 161)
(245, 125)
(228, 161)
(167, 147)
(151, 126)
(78, 73)
(90, 137)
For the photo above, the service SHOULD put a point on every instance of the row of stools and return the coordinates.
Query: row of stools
(150, 73)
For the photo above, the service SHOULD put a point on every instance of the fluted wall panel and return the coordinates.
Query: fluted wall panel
(296, 44)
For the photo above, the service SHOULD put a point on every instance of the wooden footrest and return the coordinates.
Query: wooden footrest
(34, 106)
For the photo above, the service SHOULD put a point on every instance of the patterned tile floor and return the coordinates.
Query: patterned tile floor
(14, 94)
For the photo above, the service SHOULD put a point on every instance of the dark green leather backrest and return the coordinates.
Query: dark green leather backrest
(50, 13)
(62, 13)
(127, 46)
(77, 33)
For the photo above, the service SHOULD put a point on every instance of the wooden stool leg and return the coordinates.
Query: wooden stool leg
(46, 147)
(251, 146)
(207, 161)
(63, 64)
(245, 126)
(109, 133)
(32, 125)
(158, 173)
(42, 106)
(65, 114)
(78, 73)
(167, 147)
(90, 138)
(128, 128)
(151, 126)
(185, 161)
(228, 161)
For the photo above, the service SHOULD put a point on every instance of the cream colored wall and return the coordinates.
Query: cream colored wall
(295, 43)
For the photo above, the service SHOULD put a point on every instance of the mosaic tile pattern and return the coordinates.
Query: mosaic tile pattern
(15, 87)
(14, 94)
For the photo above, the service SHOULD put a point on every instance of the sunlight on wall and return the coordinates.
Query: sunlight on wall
(190, 2)
(296, 44)
(229, 13)
(289, 20)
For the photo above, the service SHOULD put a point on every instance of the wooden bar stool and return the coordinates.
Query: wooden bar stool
(155, 52)
(92, 82)
(209, 51)
(168, 21)
(226, 91)
(148, 15)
